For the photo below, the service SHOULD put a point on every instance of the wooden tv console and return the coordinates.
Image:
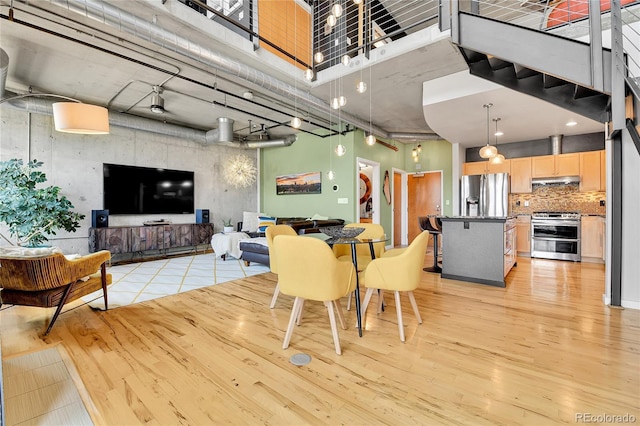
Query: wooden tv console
(149, 239)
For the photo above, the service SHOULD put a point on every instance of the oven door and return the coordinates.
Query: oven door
(562, 229)
(553, 248)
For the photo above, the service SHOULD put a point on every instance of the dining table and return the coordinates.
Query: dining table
(354, 242)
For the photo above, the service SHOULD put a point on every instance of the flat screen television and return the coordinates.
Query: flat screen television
(144, 190)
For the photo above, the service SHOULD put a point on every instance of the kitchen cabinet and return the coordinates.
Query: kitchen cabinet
(590, 171)
(521, 175)
(523, 232)
(592, 233)
(475, 168)
(482, 167)
(555, 165)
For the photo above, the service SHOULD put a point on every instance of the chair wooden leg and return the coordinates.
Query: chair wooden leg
(297, 304)
(334, 328)
(299, 319)
(103, 273)
(399, 313)
(274, 298)
(415, 306)
(343, 324)
(349, 301)
(65, 295)
(380, 300)
(365, 302)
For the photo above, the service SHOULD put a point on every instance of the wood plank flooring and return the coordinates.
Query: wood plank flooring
(542, 351)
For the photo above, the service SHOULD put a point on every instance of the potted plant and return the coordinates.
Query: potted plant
(227, 226)
(31, 213)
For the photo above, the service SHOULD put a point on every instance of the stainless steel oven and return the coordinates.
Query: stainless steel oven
(555, 235)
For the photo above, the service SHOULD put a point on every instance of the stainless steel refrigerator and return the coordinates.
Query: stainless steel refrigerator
(485, 195)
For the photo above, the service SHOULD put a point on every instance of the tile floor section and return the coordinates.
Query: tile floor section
(137, 282)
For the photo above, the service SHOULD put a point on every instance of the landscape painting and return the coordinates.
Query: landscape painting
(300, 183)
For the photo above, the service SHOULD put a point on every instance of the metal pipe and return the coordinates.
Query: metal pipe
(128, 23)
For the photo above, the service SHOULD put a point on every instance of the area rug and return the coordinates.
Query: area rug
(138, 282)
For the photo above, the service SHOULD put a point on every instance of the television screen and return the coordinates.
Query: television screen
(144, 190)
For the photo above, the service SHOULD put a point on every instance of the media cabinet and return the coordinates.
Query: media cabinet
(125, 242)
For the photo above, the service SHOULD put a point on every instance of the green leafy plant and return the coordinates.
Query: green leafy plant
(32, 213)
(227, 222)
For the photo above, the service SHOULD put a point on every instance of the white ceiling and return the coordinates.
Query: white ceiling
(53, 50)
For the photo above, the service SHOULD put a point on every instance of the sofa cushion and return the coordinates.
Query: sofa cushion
(250, 221)
(264, 222)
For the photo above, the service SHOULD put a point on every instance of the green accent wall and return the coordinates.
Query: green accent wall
(316, 154)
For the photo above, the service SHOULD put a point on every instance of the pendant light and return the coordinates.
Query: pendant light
(498, 158)
(488, 151)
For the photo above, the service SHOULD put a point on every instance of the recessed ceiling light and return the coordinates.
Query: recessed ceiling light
(571, 123)
(248, 95)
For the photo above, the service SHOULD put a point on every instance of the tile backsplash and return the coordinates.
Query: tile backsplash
(558, 198)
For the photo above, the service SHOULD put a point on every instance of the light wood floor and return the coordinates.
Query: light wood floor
(541, 351)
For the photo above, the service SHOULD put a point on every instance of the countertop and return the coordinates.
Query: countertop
(476, 218)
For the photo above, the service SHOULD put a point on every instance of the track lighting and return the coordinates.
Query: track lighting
(157, 102)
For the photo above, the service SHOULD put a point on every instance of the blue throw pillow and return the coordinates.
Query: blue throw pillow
(265, 221)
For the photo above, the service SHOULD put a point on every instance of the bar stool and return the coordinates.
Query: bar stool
(435, 231)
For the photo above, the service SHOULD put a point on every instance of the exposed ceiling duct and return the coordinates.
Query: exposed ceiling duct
(123, 21)
(556, 144)
(218, 136)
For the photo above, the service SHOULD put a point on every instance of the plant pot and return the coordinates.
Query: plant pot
(227, 229)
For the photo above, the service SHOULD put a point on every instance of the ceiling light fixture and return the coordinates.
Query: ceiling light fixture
(346, 59)
(331, 20)
(318, 57)
(498, 158)
(337, 10)
(308, 74)
(571, 123)
(488, 150)
(74, 116)
(357, 1)
(240, 171)
(361, 87)
(157, 101)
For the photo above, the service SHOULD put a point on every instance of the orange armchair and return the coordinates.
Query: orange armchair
(308, 270)
(53, 280)
(397, 270)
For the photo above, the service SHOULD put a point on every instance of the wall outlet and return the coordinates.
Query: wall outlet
(526, 203)
(343, 201)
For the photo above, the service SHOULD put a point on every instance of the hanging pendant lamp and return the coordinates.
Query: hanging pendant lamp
(498, 158)
(488, 151)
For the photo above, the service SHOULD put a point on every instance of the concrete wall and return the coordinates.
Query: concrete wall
(630, 223)
(74, 162)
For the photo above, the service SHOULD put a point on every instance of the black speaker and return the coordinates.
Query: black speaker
(99, 218)
(202, 216)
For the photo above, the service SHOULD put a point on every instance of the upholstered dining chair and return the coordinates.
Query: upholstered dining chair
(308, 270)
(363, 251)
(397, 270)
(53, 280)
(270, 234)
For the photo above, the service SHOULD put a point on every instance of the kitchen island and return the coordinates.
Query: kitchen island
(478, 249)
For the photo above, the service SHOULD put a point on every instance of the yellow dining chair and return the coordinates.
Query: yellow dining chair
(363, 252)
(270, 234)
(308, 270)
(397, 270)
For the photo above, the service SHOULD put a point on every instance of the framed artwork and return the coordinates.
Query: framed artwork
(386, 187)
(300, 183)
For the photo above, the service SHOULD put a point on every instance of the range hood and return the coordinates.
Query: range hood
(562, 180)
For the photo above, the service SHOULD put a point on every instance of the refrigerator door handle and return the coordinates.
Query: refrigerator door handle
(482, 205)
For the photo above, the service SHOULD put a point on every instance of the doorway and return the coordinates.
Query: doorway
(424, 194)
(368, 191)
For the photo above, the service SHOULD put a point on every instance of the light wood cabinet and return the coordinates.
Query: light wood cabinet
(523, 231)
(521, 175)
(475, 168)
(555, 165)
(590, 165)
(592, 232)
(505, 167)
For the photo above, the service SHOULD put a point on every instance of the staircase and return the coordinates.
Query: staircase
(553, 57)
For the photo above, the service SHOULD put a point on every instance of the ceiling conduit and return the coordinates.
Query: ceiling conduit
(126, 22)
(224, 138)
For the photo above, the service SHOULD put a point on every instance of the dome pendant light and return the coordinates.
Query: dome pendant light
(488, 151)
(498, 158)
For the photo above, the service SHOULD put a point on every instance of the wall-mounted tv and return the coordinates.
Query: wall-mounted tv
(144, 190)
